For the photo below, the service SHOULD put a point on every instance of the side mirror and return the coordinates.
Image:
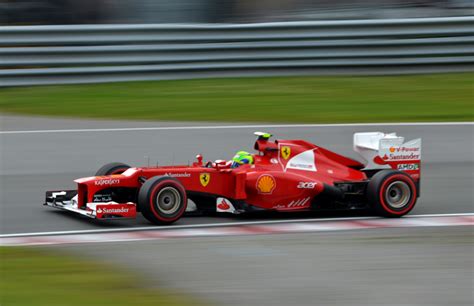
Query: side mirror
(262, 135)
(199, 159)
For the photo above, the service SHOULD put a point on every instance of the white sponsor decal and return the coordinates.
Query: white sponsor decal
(274, 161)
(302, 161)
(410, 156)
(298, 203)
(56, 194)
(121, 210)
(185, 174)
(410, 150)
(107, 181)
(102, 198)
(129, 172)
(306, 185)
(224, 205)
(405, 167)
(74, 200)
(191, 206)
(301, 166)
(279, 206)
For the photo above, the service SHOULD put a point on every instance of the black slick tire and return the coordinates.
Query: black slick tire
(162, 200)
(112, 168)
(391, 193)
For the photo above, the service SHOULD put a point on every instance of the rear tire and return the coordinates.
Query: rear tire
(112, 168)
(391, 193)
(162, 200)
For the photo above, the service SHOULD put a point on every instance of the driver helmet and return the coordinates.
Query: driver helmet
(242, 158)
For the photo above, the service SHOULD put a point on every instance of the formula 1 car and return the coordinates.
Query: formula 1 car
(286, 175)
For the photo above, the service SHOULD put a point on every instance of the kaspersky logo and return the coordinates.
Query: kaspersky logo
(107, 181)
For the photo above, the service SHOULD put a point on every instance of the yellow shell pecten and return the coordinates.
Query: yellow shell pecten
(266, 184)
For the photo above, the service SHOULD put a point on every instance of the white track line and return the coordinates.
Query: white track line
(213, 225)
(222, 127)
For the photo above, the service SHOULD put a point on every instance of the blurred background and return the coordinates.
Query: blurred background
(69, 64)
(13, 12)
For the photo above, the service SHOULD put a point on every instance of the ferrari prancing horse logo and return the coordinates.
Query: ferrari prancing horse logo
(204, 178)
(285, 152)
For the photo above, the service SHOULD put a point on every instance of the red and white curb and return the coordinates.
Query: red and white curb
(228, 229)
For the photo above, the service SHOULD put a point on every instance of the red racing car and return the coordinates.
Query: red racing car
(284, 175)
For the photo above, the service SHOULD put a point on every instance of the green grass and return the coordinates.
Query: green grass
(33, 277)
(437, 97)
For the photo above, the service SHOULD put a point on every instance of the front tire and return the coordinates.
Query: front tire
(112, 168)
(391, 193)
(162, 200)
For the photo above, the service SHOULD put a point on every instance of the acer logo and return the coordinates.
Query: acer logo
(306, 185)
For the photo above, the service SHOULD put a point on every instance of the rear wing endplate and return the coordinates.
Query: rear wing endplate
(389, 151)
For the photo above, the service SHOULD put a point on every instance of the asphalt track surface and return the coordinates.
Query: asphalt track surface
(38, 155)
(424, 266)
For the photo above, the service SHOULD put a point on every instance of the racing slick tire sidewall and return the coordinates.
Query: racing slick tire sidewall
(112, 168)
(147, 197)
(377, 191)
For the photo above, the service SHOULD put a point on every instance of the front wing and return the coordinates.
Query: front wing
(67, 200)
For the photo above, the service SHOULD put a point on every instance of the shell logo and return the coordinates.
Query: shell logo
(392, 149)
(266, 184)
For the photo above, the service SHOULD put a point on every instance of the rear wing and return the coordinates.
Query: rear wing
(389, 151)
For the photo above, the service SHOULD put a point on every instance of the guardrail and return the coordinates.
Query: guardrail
(37, 55)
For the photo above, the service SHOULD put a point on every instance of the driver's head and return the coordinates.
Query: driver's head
(242, 158)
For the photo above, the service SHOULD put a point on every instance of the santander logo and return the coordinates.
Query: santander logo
(115, 210)
(380, 160)
(223, 205)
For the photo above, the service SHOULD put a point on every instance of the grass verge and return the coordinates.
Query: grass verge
(437, 97)
(34, 277)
